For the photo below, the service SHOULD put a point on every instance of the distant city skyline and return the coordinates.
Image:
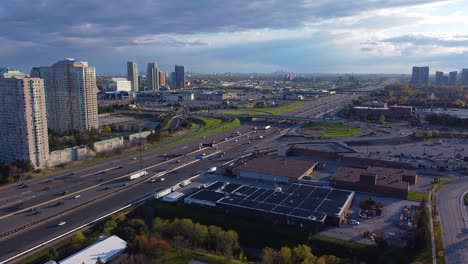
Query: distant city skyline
(303, 37)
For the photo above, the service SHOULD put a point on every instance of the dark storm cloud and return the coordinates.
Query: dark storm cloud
(56, 19)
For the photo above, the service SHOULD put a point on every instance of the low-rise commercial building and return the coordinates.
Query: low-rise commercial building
(274, 169)
(215, 96)
(391, 112)
(177, 96)
(299, 205)
(103, 250)
(393, 182)
(117, 84)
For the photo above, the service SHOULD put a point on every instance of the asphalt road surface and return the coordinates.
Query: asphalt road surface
(454, 218)
(115, 190)
(29, 213)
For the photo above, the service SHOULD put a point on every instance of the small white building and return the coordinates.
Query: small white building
(173, 197)
(117, 84)
(104, 250)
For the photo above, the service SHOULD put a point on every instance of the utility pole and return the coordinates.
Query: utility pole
(141, 160)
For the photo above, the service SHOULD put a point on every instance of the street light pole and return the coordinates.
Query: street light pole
(141, 161)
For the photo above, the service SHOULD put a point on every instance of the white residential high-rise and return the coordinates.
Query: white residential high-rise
(132, 75)
(152, 77)
(71, 94)
(23, 122)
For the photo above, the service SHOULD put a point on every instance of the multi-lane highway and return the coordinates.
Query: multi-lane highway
(454, 218)
(104, 189)
(29, 213)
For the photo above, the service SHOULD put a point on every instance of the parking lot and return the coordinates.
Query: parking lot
(383, 225)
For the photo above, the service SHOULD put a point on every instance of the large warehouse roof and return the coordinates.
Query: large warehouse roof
(298, 200)
(105, 250)
(277, 166)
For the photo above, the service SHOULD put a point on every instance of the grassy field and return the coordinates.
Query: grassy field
(439, 243)
(329, 130)
(442, 183)
(465, 198)
(184, 256)
(209, 122)
(260, 234)
(418, 196)
(265, 111)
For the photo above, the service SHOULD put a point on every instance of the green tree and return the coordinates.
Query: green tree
(53, 254)
(303, 254)
(78, 238)
(285, 255)
(382, 119)
(106, 130)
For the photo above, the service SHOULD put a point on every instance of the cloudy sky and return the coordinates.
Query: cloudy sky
(302, 36)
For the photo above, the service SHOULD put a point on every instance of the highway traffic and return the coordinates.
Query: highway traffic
(41, 209)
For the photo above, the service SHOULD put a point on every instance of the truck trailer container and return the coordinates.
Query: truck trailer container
(137, 175)
(162, 193)
(185, 183)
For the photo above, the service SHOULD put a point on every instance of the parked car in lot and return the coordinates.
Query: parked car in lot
(354, 222)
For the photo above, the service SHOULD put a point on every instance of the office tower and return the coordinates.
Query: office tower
(71, 95)
(162, 78)
(173, 79)
(132, 75)
(142, 82)
(420, 75)
(179, 77)
(152, 77)
(23, 122)
(464, 77)
(439, 77)
(452, 80)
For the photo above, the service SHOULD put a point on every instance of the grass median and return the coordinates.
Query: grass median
(439, 243)
(418, 196)
(465, 198)
(265, 111)
(329, 130)
(204, 133)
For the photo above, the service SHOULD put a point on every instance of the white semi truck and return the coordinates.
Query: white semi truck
(137, 175)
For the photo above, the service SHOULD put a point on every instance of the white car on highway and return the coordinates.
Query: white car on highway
(61, 223)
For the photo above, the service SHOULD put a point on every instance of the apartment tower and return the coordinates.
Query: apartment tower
(23, 126)
(152, 77)
(71, 95)
(452, 79)
(420, 75)
(464, 77)
(132, 75)
(179, 77)
(439, 77)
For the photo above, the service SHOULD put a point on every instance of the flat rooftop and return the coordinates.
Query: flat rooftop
(277, 166)
(384, 176)
(326, 146)
(298, 200)
(105, 250)
(207, 195)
